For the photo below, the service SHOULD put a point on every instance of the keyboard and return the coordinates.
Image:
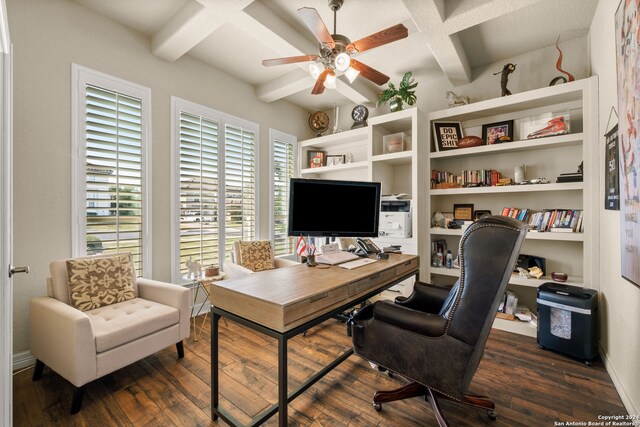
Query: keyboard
(336, 257)
(357, 263)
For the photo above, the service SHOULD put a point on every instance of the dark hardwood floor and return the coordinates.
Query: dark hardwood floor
(531, 387)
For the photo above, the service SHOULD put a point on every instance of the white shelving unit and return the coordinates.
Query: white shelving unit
(572, 253)
(399, 172)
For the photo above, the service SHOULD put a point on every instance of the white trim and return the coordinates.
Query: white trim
(274, 135)
(626, 396)
(80, 76)
(23, 360)
(5, 39)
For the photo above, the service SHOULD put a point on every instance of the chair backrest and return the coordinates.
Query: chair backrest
(57, 284)
(488, 253)
(256, 255)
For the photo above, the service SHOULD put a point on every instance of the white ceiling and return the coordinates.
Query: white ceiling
(445, 37)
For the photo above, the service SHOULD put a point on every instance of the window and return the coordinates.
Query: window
(110, 176)
(283, 167)
(215, 185)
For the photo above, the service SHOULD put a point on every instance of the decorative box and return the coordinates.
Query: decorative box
(395, 143)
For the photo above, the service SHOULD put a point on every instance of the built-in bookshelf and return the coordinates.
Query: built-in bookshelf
(574, 253)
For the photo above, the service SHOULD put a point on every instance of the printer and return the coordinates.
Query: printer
(395, 218)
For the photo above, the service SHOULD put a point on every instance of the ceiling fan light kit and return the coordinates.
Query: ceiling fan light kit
(334, 54)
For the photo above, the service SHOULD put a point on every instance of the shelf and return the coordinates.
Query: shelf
(532, 235)
(401, 158)
(516, 279)
(568, 186)
(335, 168)
(342, 138)
(516, 326)
(526, 145)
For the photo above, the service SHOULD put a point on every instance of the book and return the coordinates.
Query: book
(561, 230)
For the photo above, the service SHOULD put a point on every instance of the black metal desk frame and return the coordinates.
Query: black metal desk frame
(284, 397)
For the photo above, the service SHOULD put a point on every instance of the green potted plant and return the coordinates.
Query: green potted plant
(404, 93)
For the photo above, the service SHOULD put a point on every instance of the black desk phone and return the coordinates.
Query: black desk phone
(367, 246)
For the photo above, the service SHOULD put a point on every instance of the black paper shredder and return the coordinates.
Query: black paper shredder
(568, 320)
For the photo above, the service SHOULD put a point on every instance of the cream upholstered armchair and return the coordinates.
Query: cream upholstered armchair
(250, 257)
(99, 317)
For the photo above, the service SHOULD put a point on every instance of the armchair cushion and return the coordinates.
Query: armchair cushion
(255, 255)
(99, 282)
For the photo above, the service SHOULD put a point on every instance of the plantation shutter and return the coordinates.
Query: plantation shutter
(283, 169)
(114, 197)
(199, 190)
(240, 185)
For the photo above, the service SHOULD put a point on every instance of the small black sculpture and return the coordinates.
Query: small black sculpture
(504, 78)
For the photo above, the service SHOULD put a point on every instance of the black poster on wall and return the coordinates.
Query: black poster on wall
(611, 167)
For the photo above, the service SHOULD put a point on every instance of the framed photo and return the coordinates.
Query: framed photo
(463, 212)
(335, 159)
(492, 132)
(316, 158)
(446, 135)
(480, 213)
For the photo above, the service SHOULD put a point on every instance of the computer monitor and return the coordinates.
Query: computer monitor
(319, 207)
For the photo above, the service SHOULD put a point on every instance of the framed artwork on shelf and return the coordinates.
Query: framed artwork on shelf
(480, 213)
(547, 124)
(316, 158)
(463, 212)
(494, 133)
(335, 159)
(627, 22)
(446, 135)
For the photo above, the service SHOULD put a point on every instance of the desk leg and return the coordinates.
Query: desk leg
(282, 382)
(215, 318)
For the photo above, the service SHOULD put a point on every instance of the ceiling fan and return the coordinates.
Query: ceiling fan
(334, 54)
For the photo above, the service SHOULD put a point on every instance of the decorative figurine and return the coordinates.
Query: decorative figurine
(504, 77)
(319, 122)
(455, 100)
(559, 67)
(194, 267)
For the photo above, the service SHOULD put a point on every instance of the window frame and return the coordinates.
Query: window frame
(178, 105)
(80, 77)
(274, 135)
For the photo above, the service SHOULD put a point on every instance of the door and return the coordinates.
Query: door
(6, 292)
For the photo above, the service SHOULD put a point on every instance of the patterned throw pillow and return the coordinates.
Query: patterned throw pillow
(256, 256)
(97, 282)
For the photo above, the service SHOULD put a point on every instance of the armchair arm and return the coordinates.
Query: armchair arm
(235, 271)
(283, 262)
(62, 338)
(425, 297)
(431, 325)
(168, 294)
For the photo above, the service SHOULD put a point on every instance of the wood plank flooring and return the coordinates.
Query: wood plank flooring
(531, 387)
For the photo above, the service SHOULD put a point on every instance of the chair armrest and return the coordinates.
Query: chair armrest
(283, 262)
(168, 294)
(425, 297)
(62, 338)
(235, 271)
(429, 324)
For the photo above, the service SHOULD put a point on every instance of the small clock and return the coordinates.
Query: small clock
(319, 122)
(359, 115)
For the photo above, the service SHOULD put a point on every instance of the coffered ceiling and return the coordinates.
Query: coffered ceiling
(445, 37)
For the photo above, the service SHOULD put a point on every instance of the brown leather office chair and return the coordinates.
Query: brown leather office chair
(435, 338)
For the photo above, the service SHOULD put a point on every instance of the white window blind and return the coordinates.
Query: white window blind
(199, 190)
(283, 149)
(240, 185)
(114, 197)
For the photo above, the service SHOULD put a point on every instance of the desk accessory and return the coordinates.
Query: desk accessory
(359, 114)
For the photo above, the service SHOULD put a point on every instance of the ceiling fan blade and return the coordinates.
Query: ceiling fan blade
(318, 88)
(391, 34)
(289, 60)
(312, 20)
(369, 73)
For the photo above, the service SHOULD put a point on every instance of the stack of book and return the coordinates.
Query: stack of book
(570, 177)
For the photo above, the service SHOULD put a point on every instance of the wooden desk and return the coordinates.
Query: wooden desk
(285, 302)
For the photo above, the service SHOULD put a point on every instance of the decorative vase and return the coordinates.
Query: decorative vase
(396, 104)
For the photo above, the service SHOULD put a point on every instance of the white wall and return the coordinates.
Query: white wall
(50, 35)
(620, 300)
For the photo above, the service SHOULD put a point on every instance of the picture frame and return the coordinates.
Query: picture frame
(446, 135)
(335, 159)
(316, 159)
(491, 132)
(480, 213)
(463, 211)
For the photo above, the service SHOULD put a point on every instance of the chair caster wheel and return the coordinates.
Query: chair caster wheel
(492, 414)
(587, 362)
(390, 374)
(541, 346)
(304, 334)
(377, 407)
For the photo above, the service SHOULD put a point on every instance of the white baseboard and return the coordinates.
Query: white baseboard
(631, 406)
(23, 360)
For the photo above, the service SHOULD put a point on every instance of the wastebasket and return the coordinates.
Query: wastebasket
(568, 320)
